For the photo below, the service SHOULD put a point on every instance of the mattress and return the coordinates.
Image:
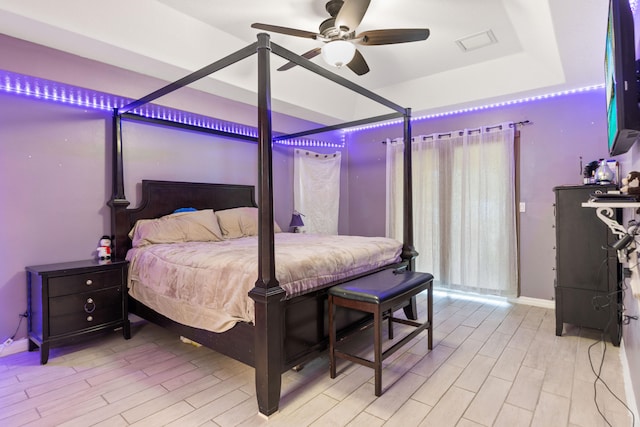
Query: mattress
(206, 284)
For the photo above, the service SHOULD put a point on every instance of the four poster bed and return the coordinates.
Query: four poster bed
(281, 321)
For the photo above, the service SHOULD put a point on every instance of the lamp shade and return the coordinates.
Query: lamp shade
(296, 220)
(338, 53)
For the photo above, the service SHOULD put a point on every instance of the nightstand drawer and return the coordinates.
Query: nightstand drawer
(73, 313)
(67, 285)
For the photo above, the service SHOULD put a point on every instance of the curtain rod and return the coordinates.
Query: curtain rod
(520, 123)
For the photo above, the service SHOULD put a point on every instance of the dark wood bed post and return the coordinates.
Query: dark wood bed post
(267, 293)
(409, 252)
(118, 202)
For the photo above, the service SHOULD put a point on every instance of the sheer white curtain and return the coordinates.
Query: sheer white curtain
(316, 190)
(464, 207)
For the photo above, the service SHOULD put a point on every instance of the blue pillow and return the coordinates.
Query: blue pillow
(184, 210)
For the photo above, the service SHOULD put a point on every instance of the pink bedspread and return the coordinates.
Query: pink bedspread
(205, 284)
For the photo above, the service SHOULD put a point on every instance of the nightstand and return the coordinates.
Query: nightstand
(71, 300)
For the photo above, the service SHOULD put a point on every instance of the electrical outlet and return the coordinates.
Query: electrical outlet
(8, 342)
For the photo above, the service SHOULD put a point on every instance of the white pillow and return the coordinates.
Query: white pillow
(240, 222)
(196, 226)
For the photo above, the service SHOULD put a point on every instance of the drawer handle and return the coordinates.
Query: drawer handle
(89, 306)
(89, 282)
(89, 318)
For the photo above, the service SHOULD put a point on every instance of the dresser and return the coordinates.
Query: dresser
(587, 290)
(70, 301)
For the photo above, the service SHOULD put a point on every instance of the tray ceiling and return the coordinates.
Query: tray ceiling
(479, 51)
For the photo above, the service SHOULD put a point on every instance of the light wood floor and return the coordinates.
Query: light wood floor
(491, 365)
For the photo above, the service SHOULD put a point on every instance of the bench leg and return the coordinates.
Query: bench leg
(430, 317)
(411, 309)
(332, 338)
(377, 350)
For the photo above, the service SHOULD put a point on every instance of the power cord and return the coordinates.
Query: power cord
(9, 340)
(626, 319)
(620, 310)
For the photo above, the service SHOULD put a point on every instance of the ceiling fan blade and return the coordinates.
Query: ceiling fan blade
(311, 54)
(404, 35)
(351, 13)
(358, 65)
(285, 30)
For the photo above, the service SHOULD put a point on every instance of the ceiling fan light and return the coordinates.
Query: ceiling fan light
(338, 53)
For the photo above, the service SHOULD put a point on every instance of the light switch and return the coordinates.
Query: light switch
(523, 207)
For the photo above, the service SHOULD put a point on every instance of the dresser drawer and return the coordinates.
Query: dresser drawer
(66, 285)
(73, 313)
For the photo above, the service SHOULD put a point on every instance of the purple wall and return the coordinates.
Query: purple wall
(367, 193)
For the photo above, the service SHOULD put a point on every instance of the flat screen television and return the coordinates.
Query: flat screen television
(621, 86)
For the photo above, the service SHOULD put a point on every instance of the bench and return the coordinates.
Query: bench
(379, 294)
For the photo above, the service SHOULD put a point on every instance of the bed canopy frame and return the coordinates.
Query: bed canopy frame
(267, 294)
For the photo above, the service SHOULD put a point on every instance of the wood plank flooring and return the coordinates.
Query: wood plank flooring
(493, 364)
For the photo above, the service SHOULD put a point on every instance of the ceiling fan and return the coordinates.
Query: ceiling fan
(339, 36)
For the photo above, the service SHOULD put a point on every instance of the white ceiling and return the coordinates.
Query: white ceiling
(543, 46)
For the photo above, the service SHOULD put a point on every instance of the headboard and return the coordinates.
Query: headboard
(164, 197)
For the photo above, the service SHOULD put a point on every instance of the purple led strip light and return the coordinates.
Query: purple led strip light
(72, 95)
(49, 90)
(482, 107)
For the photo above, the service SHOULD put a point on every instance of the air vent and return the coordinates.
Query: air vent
(476, 41)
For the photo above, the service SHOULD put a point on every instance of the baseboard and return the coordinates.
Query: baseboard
(536, 302)
(628, 385)
(15, 347)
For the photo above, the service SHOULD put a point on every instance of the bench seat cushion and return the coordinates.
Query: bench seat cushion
(382, 286)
